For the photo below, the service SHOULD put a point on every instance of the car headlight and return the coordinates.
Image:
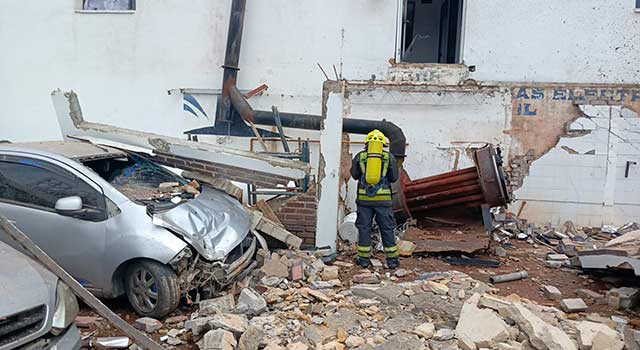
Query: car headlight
(66, 308)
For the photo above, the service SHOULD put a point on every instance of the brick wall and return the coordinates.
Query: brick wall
(298, 215)
(216, 170)
(519, 169)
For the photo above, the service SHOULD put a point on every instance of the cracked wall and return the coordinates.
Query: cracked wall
(584, 176)
(541, 114)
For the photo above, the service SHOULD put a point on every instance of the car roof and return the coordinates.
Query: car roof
(76, 150)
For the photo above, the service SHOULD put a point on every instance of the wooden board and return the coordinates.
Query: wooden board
(139, 338)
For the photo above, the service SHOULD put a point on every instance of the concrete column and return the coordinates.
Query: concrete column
(329, 165)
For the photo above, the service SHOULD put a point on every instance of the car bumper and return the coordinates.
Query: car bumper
(68, 340)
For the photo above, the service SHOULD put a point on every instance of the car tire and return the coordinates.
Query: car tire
(152, 288)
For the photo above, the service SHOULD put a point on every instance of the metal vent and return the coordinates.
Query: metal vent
(21, 325)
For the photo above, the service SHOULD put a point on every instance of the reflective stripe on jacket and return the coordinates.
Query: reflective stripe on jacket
(375, 193)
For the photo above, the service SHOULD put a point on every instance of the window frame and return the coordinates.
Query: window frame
(80, 9)
(400, 36)
(65, 171)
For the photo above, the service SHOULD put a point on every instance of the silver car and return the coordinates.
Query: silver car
(104, 216)
(36, 309)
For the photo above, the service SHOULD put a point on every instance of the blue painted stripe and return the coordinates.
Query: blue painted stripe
(195, 103)
(190, 110)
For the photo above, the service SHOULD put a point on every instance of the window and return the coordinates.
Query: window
(39, 184)
(108, 5)
(637, 5)
(431, 31)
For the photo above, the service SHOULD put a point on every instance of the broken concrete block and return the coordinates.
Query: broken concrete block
(623, 298)
(557, 257)
(148, 324)
(223, 185)
(296, 273)
(494, 302)
(593, 335)
(354, 341)
(554, 264)
(218, 339)
(437, 288)
(236, 324)
(425, 330)
(541, 334)
(198, 326)
(318, 295)
(275, 267)
(272, 229)
(250, 339)
(330, 273)
(107, 343)
(250, 302)
(366, 278)
(406, 248)
(480, 327)
(167, 186)
(444, 334)
(210, 307)
(552, 292)
(573, 305)
(377, 264)
(85, 321)
(589, 294)
(500, 251)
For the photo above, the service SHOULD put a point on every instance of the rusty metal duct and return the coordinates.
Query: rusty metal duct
(231, 60)
(485, 183)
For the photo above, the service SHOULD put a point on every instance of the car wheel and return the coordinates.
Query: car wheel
(152, 288)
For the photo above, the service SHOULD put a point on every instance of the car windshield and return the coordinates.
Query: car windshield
(136, 177)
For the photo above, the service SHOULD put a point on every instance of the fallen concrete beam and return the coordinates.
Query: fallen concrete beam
(73, 126)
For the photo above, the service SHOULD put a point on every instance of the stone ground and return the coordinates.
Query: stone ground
(429, 304)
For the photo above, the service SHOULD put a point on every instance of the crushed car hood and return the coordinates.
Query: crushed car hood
(213, 223)
(24, 284)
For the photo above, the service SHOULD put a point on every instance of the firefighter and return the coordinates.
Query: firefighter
(375, 170)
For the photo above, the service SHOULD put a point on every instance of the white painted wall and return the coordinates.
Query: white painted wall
(122, 65)
(583, 41)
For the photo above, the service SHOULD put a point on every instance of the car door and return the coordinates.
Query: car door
(29, 189)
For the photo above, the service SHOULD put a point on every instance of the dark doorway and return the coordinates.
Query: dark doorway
(431, 32)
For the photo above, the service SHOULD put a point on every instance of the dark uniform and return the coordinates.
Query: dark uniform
(375, 201)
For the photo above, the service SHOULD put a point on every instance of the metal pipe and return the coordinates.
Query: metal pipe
(445, 181)
(509, 277)
(231, 59)
(466, 190)
(450, 186)
(240, 103)
(443, 176)
(451, 202)
(397, 140)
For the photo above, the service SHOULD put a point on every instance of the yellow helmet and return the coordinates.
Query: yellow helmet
(377, 135)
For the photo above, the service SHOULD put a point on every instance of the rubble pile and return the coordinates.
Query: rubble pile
(585, 247)
(438, 310)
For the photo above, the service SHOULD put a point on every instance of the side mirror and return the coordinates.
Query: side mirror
(69, 206)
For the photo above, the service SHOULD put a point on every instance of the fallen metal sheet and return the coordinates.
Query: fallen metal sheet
(435, 246)
(428, 244)
(73, 125)
(608, 258)
(471, 262)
